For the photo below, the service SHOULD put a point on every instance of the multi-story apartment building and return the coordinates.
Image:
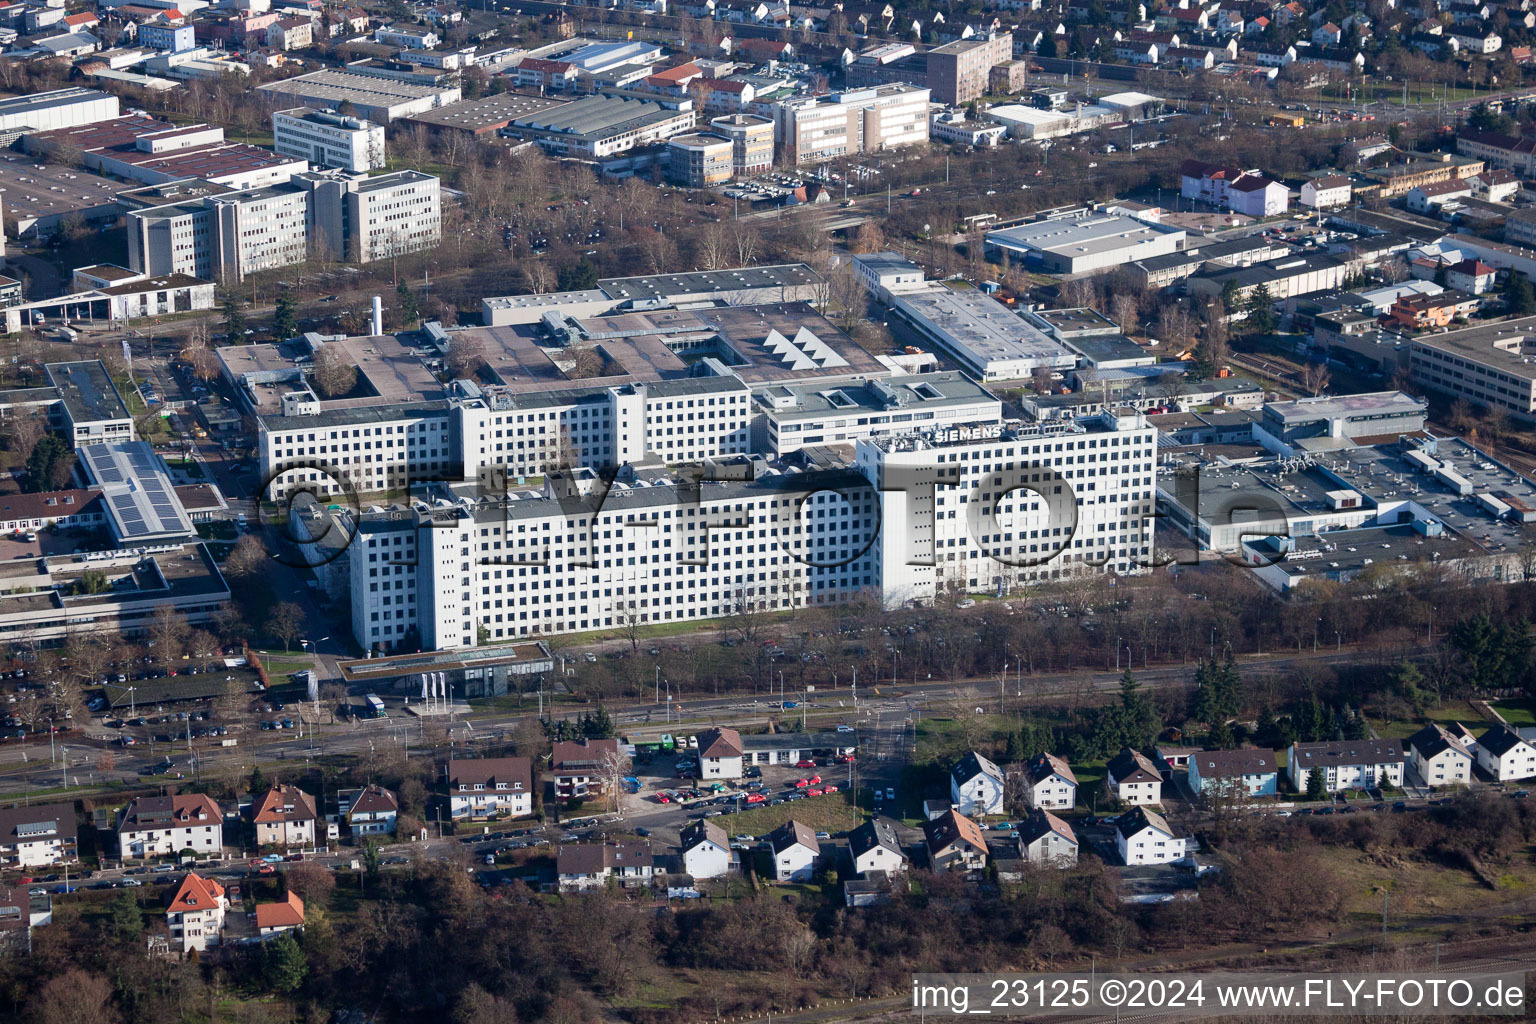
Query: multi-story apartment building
(37, 835)
(955, 72)
(195, 915)
(284, 816)
(328, 139)
(871, 120)
(259, 229)
(490, 787)
(165, 825)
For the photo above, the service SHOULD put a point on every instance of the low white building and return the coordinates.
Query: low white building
(1133, 779)
(1503, 754)
(1258, 196)
(706, 850)
(371, 811)
(1347, 764)
(1438, 758)
(1049, 783)
(163, 826)
(490, 787)
(976, 786)
(1329, 192)
(1142, 836)
(582, 867)
(795, 850)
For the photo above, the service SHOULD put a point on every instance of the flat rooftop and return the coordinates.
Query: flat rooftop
(1507, 345)
(1079, 237)
(982, 326)
(390, 371)
(35, 188)
(705, 283)
(15, 106)
(359, 90)
(533, 655)
(485, 114)
(87, 390)
(1305, 410)
(926, 392)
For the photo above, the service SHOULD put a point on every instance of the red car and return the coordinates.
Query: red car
(801, 783)
(814, 792)
(813, 780)
(829, 789)
(756, 798)
(662, 798)
(805, 764)
(845, 759)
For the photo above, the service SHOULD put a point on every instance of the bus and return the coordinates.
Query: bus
(374, 706)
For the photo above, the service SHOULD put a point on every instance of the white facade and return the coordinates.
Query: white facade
(327, 139)
(1148, 845)
(1258, 198)
(1449, 767)
(1052, 793)
(1347, 764)
(795, 863)
(376, 453)
(871, 120)
(164, 826)
(1328, 193)
(1098, 521)
(706, 858)
(410, 38)
(1505, 756)
(976, 787)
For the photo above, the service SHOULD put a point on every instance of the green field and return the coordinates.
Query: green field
(836, 812)
(1520, 712)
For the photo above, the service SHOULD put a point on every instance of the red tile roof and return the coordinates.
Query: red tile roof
(288, 914)
(194, 894)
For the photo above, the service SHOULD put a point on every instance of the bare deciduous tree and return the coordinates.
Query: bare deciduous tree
(466, 354)
(332, 374)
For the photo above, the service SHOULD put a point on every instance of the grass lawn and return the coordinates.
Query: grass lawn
(943, 739)
(279, 664)
(836, 812)
(1517, 712)
(1417, 890)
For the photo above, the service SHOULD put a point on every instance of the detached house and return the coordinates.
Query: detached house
(1142, 836)
(720, 754)
(1206, 182)
(1249, 772)
(795, 849)
(1471, 276)
(1258, 196)
(706, 850)
(1046, 839)
(1132, 778)
(165, 825)
(1438, 758)
(276, 918)
(371, 811)
(37, 836)
(873, 846)
(1347, 764)
(1049, 783)
(582, 867)
(284, 816)
(1328, 192)
(955, 843)
(489, 787)
(196, 912)
(1505, 756)
(582, 768)
(976, 786)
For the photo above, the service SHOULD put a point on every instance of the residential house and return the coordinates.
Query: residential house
(1249, 772)
(795, 850)
(1423, 312)
(37, 836)
(1049, 783)
(1142, 836)
(165, 825)
(720, 754)
(1471, 276)
(976, 786)
(955, 843)
(1505, 756)
(1046, 839)
(1327, 34)
(873, 846)
(1495, 186)
(1258, 196)
(582, 867)
(195, 914)
(706, 850)
(284, 816)
(1475, 38)
(371, 811)
(1132, 778)
(1328, 192)
(1438, 758)
(490, 787)
(83, 22)
(1271, 57)
(290, 33)
(1347, 764)
(1431, 196)
(583, 768)
(1206, 182)
(276, 918)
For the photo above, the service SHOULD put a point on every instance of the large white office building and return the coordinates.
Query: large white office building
(328, 139)
(885, 117)
(355, 217)
(914, 520)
